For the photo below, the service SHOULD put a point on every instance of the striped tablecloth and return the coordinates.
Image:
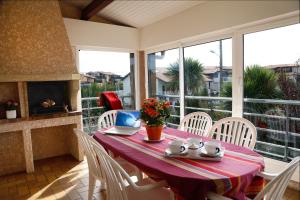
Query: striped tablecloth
(190, 179)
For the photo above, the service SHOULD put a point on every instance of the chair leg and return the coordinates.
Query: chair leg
(92, 183)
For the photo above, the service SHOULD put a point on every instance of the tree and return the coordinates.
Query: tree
(259, 83)
(193, 72)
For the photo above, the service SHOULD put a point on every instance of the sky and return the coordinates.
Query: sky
(270, 47)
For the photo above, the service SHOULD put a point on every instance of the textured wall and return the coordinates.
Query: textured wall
(51, 141)
(11, 153)
(33, 39)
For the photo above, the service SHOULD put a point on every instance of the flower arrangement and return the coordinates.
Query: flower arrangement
(154, 112)
(11, 105)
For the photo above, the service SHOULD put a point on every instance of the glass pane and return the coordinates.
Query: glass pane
(163, 80)
(207, 74)
(104, 71)
(272, 90)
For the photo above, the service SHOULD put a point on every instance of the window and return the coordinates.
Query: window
(207, 73)
(105, 71)
(272, 89)
(163, 80)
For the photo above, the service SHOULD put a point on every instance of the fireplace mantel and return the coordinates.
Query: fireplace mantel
(38, 77)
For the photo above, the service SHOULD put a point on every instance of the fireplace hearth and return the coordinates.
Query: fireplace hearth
(48, 97)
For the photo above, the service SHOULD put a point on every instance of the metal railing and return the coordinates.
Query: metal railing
(90, 119)
(285, 134)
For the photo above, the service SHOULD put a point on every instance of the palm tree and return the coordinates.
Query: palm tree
(259, 83)
(193, 72)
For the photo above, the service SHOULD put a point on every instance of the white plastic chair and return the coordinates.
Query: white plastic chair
(94, 170)
(275, 189)
(107, 119)
(198, 123)
(121, 187)
(95, 173)
(234, 130)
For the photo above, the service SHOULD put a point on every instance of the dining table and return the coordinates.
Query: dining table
(190, 179)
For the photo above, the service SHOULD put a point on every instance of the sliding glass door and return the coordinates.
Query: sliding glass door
(272, 89)
(163, 80)
(207, 78)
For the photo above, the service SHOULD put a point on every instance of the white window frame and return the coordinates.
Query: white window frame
(237, 34)
(105, 49)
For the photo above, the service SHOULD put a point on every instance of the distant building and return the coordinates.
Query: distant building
(105, 77)
(291, 70)
(212, 78)
(87, 79)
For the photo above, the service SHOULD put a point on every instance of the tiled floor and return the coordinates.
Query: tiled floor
(60, 178)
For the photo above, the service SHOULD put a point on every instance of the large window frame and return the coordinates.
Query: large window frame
(236, 33)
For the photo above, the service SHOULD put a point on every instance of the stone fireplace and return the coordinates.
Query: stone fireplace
(37, 65)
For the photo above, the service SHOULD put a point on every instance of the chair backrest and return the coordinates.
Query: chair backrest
(114, 174)
(198, 123)
(275, 189)
(89, 153)
(234, 130)
(107, 119)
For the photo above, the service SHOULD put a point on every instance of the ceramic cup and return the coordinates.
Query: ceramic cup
(212, 147)
(176, 146)
(194, 143)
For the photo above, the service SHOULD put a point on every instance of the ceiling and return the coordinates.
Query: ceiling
(138, 13)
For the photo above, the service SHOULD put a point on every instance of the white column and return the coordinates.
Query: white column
(181, 82)
(28, 150)
(237, 74)
(137, 80)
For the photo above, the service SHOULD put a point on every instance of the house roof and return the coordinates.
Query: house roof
(214, 69)
(86, 75)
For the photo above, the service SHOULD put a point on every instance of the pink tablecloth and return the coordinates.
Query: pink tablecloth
(191, 179)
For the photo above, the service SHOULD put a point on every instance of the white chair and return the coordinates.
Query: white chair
(121, 187)
(198, 123)
(275, 189)
(234, 130)
(107, 119)
(95, 172)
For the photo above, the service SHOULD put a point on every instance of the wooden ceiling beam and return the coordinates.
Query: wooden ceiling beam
(93, 8)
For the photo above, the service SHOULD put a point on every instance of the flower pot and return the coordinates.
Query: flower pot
(11, 114)
(154, 132)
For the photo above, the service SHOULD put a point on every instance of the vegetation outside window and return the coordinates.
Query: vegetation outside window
(207, 78)
(272, 90)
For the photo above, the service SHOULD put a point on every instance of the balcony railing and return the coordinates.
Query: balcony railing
(91, 112)
(273, 140)
(276, 140)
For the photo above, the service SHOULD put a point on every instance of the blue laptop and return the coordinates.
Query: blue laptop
(127, 123)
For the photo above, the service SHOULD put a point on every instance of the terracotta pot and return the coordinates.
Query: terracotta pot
(154, 132)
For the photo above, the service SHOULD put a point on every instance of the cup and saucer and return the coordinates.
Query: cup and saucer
(176, 147)
(212, 149)
(194, 143)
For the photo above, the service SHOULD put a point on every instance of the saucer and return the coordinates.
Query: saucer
(146, 139)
